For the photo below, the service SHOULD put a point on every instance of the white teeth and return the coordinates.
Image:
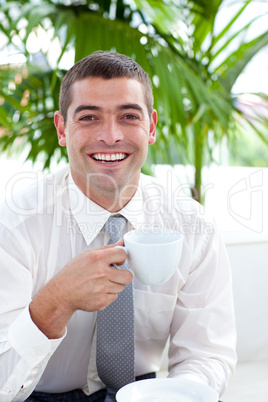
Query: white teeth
(111, 157)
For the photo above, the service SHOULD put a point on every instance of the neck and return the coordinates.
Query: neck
(116, 201)
(113, 200)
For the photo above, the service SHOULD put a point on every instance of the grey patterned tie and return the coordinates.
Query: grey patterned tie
(115, 329)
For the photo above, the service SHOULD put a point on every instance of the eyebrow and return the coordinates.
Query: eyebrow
(130, 106)
(85, 107)
(97, 108)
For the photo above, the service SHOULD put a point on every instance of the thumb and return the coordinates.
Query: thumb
(119, 243)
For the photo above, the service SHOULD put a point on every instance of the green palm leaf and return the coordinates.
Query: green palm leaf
(192, 92)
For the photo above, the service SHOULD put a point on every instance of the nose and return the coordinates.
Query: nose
(110, 133)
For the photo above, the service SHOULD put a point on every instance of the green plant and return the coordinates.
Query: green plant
(192, 69)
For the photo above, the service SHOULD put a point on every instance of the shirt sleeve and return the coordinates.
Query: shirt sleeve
(203, 335)
(24, 349)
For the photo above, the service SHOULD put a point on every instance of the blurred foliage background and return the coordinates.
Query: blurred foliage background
(193, 67)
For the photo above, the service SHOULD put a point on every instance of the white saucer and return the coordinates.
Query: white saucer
(166, 390)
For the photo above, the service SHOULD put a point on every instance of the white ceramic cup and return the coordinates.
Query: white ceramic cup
(153, 255)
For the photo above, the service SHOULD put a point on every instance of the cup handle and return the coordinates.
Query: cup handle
(118, 267)
(123, 248)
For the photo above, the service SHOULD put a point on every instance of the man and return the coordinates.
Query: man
(57, 270)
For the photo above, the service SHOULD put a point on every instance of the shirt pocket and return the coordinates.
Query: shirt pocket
(153, 314)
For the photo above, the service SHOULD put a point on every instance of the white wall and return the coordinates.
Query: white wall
(249, 263)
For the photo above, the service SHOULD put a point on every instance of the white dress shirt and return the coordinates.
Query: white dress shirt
(50, 223)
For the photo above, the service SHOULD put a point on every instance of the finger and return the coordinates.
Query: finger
(118, 243)
(109, 298)
(115, 288)
(114, 255)
(121, 276)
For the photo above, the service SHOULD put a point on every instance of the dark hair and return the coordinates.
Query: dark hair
(107, 65)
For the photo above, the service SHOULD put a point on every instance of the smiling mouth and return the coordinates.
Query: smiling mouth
(104, 158)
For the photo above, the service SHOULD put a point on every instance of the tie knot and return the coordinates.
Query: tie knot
(115, 227)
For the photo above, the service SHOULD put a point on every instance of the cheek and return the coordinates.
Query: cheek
(75, 139)
(144, 142)
(143, 150)
(139, 136)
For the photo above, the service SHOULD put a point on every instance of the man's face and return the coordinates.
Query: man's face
(107, 133)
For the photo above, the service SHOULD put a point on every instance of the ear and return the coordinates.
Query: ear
(60, 127)
(152, 127)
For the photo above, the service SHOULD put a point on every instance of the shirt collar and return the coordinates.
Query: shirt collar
(91, 217)
(133, 211)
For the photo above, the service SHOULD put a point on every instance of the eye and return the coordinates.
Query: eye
(88, 117)
(130, 116)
